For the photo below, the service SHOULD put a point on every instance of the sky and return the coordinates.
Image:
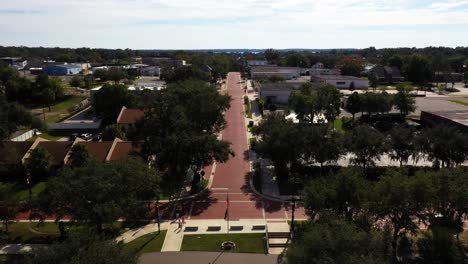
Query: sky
(228, 24)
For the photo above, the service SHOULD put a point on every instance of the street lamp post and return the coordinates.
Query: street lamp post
(291, 231)
(157, 214)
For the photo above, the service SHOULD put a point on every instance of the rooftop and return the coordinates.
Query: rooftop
(337, 77)
(130, 116)
(460, 116)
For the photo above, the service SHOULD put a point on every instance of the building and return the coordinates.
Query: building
(257, 63)
(128, 117)
(150, 71)
(341, 82)
(323, 71)
(386, 74)
(457, 119)
(278, 93)
(62, 69)
(265, 72)
(16, 153)
(16, 63)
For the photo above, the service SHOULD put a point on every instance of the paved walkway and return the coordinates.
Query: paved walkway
(174, 237)
(21, 248)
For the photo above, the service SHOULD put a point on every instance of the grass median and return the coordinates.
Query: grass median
(245, 243)
(148, 243)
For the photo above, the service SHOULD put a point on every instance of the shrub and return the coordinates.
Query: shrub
(246, 100)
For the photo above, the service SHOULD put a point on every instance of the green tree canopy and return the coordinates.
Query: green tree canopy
(181, 127)
(79, 155)
(403, 100)
(113, 131)
(402, 144)
(108, 101)
(83, 249)
(366, 143)
(39, 163)
(353, 104)
(100, 193)
(333, 240)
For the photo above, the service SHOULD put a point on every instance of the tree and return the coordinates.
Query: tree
(448, 200)
(353, 104)
(12, 116)
(397, 198)
(108, 101)
(79, 155)
(113, 131)
(465, 78)
(181, 127)
(329, 101)
(396, 61)
(280, 142)
(366, 143)
(439, 246)
(445, 145)
(81, 249)
(346, 194)
(333, 240)
(100, 193)
(401, 144)
(171, 75)
(77, 81)
(322, 144)
(304, 103)
(272, 56)
(403, 100)
(48, 96)
(351, 66)
(418, 70)
(9, 204)
(39, 163)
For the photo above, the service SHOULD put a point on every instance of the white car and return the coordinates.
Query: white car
(86, 136)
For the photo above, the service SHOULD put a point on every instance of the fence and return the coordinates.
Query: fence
(25, 136)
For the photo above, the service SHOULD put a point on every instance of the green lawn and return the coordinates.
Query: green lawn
(338, 125)
(60, 109)
(23, 194)
(45, 136)
(245, 243)
(148, 243)
(11, 259)
(459, 102)
(21, 233)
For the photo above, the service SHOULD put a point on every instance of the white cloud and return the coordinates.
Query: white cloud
(227, 23)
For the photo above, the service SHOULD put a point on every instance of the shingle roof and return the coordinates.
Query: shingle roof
(123, 150)
(12, 152)
(130, 116)
(58, 150)
(98, 150)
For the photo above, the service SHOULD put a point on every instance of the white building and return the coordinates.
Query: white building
(264, 72)
(257, 63)
(150, 71)
(341, 82)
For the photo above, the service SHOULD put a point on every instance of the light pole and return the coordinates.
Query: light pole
(291, 231)
(157, 214)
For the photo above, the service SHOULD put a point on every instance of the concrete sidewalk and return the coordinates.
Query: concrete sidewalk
(174, 237)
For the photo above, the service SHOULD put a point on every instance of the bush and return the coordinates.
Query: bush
(253, 143)
(257, 177)
(246, 100)
(251, 124)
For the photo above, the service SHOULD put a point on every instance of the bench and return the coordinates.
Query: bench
(213, 228)
(258, 227)
(191, 229)
(236, 228)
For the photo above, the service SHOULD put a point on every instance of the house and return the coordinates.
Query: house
(278, 93)
(265, 72)
(16, 63)
(16, 153)
(318, 65)
(128, 117)
(386, 74)
(257, 63)
(341, 82)
(150, 71)
(62, 69)
(457, 119)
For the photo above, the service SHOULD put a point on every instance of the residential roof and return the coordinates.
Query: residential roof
(123, 150)
(13, 152)
(98, 150)
(130, 115)
(75, 125)
(67, 66)
(57, 150)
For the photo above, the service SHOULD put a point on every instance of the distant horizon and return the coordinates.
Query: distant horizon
(224, 24)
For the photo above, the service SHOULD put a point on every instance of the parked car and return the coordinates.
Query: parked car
(86, 136)
(74, 136)
(97, 137)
